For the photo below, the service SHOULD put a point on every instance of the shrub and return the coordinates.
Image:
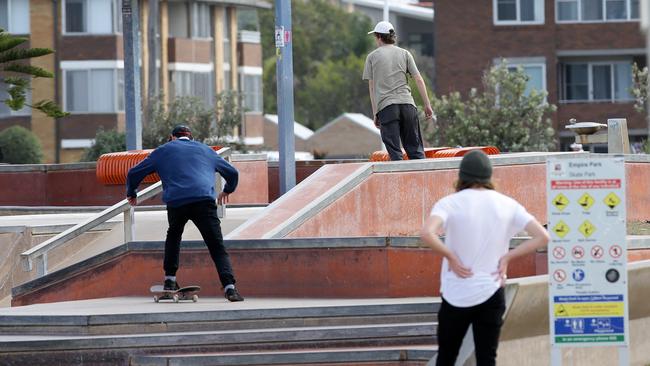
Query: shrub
(105, 142)
(18, 145)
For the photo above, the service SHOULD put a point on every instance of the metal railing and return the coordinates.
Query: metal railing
(37, 256)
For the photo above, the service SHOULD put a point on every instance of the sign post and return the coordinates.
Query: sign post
(587, 263)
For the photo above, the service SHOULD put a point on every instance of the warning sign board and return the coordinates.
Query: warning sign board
(560, 201)
(586, 201)
(612, 200)
(587, 262)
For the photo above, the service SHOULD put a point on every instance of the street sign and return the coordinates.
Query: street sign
(588, 297)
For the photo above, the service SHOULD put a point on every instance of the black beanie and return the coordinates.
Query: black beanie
(182, 131)
(475, 167)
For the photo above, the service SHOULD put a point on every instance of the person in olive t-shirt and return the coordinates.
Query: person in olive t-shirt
(393, 107)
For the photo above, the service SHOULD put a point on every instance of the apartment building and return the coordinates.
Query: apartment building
(580, 51)
(204, 47)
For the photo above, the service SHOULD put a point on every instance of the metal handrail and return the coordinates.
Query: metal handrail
(39, 253)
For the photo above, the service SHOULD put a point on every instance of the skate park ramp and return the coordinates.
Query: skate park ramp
(21, 232)
(393, 198)
(525, 339)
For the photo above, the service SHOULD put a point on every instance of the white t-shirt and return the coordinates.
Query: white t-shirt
(478, 224)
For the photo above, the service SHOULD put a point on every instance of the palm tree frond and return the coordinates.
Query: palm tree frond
(50, 108)
(15, 80)
(21, 54)
(29, 70)
(8, 41)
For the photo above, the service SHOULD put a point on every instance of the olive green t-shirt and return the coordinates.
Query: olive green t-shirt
(387, 67)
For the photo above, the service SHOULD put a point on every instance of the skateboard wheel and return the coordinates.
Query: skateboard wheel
(175, 298)
(155, 299)
(195, 298)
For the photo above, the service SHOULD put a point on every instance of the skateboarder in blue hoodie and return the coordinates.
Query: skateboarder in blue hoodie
(187, 170)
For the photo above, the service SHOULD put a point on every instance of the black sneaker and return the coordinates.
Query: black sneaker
(170, 285)
(232, 295)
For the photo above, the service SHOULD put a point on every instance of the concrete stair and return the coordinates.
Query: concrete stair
(288, 332)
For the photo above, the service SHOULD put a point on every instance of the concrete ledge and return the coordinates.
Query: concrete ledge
(349, 356)
(194, 339)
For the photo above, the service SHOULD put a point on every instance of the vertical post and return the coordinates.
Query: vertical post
(131, 25)
(129, 225)
(284, 69)
(618, 141)
(41, 265)
(152, 45)
(556, 356)
(623, 356)
(386, 11)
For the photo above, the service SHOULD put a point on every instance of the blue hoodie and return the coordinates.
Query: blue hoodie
(186, 169)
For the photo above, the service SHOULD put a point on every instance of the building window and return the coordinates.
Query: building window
(571, 11)
(193, 84)
(201, 20)
(5, 111)
(91, 16)
(14, 16)
(94, 90)
(536, 72)
(179, 21)
(247, 20)
(507, 12)
(597, 81)
(251, 90)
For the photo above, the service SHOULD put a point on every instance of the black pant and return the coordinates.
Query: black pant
(204, 215)
(486, 320)
(400, 122)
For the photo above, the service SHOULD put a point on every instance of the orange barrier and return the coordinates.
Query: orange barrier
(113, 167)
(461, 151)
(437, 152)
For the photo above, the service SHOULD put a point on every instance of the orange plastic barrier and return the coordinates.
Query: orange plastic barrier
(438, 152)
(113, 167)
(429, 152)
(461, 151)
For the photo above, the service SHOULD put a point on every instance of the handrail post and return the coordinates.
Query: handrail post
(41, 265)
(129, 225)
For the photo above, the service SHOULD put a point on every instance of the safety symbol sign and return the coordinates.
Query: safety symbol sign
(561, 229)
(586, 201)
(597, 251)
(587, 228)
(578, 252)
(615, 251)
(559, 275)
(560, 201)
(586, 210)
(612, 200)
(578, 275)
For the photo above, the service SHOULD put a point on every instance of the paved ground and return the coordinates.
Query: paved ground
(146, 305)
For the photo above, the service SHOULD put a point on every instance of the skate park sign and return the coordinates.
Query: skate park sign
(587, 266)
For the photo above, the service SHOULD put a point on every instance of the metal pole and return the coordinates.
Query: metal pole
(284, 69)
(132, 107)
(386, 11)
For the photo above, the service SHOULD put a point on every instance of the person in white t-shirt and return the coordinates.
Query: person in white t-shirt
(478, 223)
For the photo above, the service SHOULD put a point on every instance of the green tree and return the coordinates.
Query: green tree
(16, 74)
(18, 145)
(105, 142)
(208, 125)
(324, 37)
(503, 115)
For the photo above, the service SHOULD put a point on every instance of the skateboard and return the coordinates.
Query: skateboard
(183, 293)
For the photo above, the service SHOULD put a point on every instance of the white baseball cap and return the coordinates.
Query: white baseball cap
(382, 27)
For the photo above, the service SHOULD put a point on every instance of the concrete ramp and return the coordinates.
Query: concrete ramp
(525, 335)
(393, 198)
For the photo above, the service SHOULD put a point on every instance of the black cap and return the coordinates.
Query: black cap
(182, 131)
(475, 167)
